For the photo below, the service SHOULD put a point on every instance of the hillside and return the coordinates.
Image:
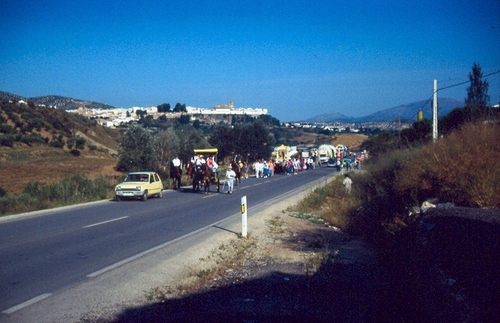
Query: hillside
(56, 101)
(64, 103)
(34, 146)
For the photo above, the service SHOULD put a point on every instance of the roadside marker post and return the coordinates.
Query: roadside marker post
(244, 216)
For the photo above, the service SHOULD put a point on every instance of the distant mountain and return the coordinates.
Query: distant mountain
(59, 102)
(405, 112)
(329, 117)
(409, 111)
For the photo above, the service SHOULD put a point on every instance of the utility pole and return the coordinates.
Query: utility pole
(435, 112)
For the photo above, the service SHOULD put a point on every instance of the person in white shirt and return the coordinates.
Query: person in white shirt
(256, 168)
(347, 184)
(200, 161)
(230, 175)
(176, 162)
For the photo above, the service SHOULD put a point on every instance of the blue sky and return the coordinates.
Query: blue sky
(295, 58)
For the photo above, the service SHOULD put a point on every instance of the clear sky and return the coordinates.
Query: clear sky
(295, 58)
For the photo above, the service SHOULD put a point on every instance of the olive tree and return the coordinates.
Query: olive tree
(189, 139)
(137, 151)
(251, 140)
(168, 145)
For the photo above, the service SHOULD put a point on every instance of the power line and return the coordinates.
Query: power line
(447, 87)
(450, 86)
(465, 82)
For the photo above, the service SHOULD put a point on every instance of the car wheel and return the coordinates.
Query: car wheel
(145, 196)
(117, 199)
(160, 194)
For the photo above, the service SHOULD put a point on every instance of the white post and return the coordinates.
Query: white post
(244, 216)
(435, 112)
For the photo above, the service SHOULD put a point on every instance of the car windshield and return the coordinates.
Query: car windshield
(137, 178)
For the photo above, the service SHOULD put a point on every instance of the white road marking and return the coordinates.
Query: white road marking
(163, 245)
(26, 304)
(104, 222)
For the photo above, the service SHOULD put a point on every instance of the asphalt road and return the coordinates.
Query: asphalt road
(45, 252)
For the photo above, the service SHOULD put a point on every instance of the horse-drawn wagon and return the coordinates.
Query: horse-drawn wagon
(204, 169)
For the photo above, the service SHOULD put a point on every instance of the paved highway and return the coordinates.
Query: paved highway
(45, 252)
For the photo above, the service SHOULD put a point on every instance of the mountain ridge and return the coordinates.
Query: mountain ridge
(406, 111)
(57, 101)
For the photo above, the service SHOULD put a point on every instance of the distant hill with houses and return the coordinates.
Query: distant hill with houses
(406, 112)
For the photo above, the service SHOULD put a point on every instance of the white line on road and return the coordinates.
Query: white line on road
(104, 222)
(26, 304)
(146, 252)
(163, 245)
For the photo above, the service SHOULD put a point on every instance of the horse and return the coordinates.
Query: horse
(175, 175)
(202, 175)
(237, 170)
(190, 169)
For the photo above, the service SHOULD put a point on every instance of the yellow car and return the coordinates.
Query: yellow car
(139, 185)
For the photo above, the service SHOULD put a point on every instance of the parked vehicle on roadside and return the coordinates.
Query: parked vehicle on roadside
(139, 185)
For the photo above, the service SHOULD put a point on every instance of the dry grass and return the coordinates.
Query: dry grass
(351, 140)
(462, 168)
(328, 204)
(47, 165)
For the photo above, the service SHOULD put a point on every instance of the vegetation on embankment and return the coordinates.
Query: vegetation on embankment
(384, 208)
(459, 168)
(70, 190)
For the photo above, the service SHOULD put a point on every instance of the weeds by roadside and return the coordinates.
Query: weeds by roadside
(71, 190)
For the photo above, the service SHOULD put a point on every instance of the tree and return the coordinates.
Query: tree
(165, 107)
(476, 104)
(141, 113)
(189, 139)
(477, 92)
(76, 142)
(137, 151)
(269, 120)
(419, 133)
(168, 145)
(180, 108)
(251, 140)
(223, 139)
(184, 119)
(380, 143)
(260, 143)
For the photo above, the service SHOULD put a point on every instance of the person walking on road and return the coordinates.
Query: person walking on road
(230, 175)
(347, 182)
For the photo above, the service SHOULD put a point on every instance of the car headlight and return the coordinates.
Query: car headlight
(118, 187)
(139, 188)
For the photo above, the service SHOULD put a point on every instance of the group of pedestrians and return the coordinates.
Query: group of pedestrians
(263, 168)
(295, 165)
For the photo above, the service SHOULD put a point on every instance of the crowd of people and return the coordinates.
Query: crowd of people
(262, 168)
